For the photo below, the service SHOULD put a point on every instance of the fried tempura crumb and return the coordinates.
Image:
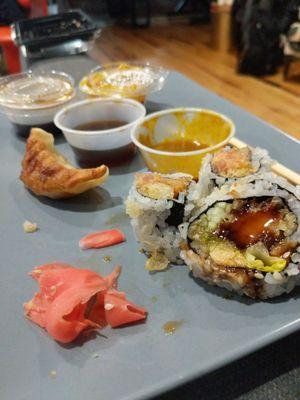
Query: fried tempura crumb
(30, 227)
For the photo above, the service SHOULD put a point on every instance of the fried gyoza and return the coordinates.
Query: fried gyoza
(47, 173)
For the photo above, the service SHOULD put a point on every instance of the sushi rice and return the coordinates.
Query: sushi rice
(151, 222)
(236, 164)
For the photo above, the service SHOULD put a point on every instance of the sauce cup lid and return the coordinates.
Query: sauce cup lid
(36, 90)
(123, 78)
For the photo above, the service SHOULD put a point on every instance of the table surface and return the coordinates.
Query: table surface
(270, 373)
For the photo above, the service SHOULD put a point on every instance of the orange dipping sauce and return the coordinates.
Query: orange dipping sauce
(175, 145)
(177, 140)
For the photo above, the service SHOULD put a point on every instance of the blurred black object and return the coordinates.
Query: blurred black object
(117, 8)
(139, 11)
(199, 8)
(291, 46)
(55, 35)
(53, 29)
(257, 25)
(10, 11)
(291, 15)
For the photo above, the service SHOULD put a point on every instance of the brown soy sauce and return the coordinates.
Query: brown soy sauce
(101, 125)
(112, 158)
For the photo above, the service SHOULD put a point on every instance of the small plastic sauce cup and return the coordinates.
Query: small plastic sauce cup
(33, 98)
(124, 80)
(205, 127)
(112, 146)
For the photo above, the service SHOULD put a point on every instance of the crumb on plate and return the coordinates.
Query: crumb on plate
(53, 374)
(30, 227)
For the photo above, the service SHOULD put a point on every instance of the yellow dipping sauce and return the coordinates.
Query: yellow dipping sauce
(176, 145)
(177, 140)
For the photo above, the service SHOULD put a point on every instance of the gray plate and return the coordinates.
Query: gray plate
(140, 361)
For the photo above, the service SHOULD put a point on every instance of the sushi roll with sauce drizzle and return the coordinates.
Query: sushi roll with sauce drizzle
(246, 237)
(229, 165)
(156, 204)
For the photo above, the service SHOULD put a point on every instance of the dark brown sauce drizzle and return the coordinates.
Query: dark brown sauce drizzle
(250, 227)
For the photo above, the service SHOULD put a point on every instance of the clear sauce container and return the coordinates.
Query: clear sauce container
(127, 79)
(33, 98)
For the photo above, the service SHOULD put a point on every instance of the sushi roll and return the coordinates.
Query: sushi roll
(229, 165)
(156, 205)
(246, 236)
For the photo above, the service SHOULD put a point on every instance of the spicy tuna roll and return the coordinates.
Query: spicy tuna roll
(246, 238)
(156, 204)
